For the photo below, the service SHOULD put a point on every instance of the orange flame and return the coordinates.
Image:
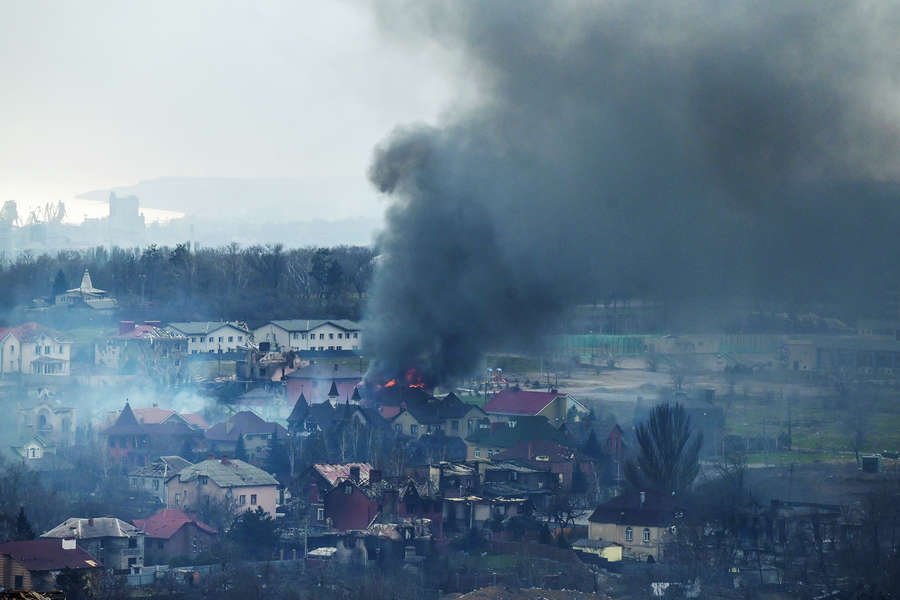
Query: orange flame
(391, 383)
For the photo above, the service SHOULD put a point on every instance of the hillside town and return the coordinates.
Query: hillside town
(160, 456)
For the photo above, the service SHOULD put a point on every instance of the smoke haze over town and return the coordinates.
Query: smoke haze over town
(470, 299)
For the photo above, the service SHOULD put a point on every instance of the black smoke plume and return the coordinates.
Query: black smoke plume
(691, 152)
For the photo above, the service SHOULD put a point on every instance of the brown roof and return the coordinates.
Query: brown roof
(166, 523)
(48, 555)
(126, 424)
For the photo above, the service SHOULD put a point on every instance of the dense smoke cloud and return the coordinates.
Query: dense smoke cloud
(686, 152)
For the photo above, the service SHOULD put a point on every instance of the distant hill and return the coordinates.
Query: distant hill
(255, 200)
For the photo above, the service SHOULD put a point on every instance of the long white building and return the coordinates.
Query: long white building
(310, 334)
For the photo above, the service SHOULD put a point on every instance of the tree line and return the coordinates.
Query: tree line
(181, 283)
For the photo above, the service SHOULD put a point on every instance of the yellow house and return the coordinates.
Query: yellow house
(642, 524)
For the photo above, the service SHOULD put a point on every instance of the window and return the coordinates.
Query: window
(60, 350)
(132, 542)
(37, 349)
(242, 499)
(355, 335)
(230, 338)
(193, 340)
(33, 452)
(240, 338)
(221, 339)
(454, 425)
(321, 336)
(348, 489)
(253, 500)
(12, 349)
(303, 336)
(46, 349)
(20, 582)
(340, 336)
(477, 452)
(629, 534)
(203, 479)
(177, 499)
(209, 340)
(646, 536)
(331, 347)
(320, 514)
(413, 429)
(330, 336)
(156, 484)
(398, 427)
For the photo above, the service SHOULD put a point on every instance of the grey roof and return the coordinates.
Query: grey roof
(307, 324)
(227, 473)
(204, 327)
(98, 527)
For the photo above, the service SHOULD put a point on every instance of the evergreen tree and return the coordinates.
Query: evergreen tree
(277, 459)
(254, 530)
(240, 451)
(668, 461)
(592, 446)
(60, 284)
(23, 530)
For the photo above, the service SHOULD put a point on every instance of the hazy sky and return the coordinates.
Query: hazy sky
(100, 94)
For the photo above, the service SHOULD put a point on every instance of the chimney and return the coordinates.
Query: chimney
(375, 476)
(354, 474)
(643, 498)
(126, 326)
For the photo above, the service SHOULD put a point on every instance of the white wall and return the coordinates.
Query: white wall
(227, 338)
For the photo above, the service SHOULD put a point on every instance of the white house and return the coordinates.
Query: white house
(213, 336)
(311, 334)
(33, 349)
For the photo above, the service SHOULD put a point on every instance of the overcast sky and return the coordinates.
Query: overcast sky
(99, 94)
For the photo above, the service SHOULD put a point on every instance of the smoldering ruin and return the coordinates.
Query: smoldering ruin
(693, 153)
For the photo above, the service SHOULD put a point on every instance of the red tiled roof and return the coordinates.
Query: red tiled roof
(48, 555)
(29, 331)
(519, 402)
(166, 523)
(152, 414)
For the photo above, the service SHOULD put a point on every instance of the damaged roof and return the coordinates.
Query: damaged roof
(48, 555)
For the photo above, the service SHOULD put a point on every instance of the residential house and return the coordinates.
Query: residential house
(642, 523)
(131, 443)
(118, 545)
(215, 337)
(468, 512)
(35, 448)
(316, 380)
(269, 402)
(352, 504)
(52, 421)
(127, 442)
(256, 434)
(311, 334)
(32, 349)
(86, 295)
(173, 533)
(549, 456)
(448, 414)
(35, 564)
(232, 481)
(513, 479)
(152, 478)
(515, 402)
(327, 417)
(145, 349)
(492, 438)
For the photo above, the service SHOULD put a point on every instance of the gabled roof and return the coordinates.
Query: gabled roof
(126, 424)
(148, 332)
(335, 473)
(48, 555)
(304, 325)
(522, 429)
(28, 332)
(242, 423)
(227, 473)
(206, 327)
(333, 392)
(514, 401)
(166, 523)
(657, 510)
(92, 528)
